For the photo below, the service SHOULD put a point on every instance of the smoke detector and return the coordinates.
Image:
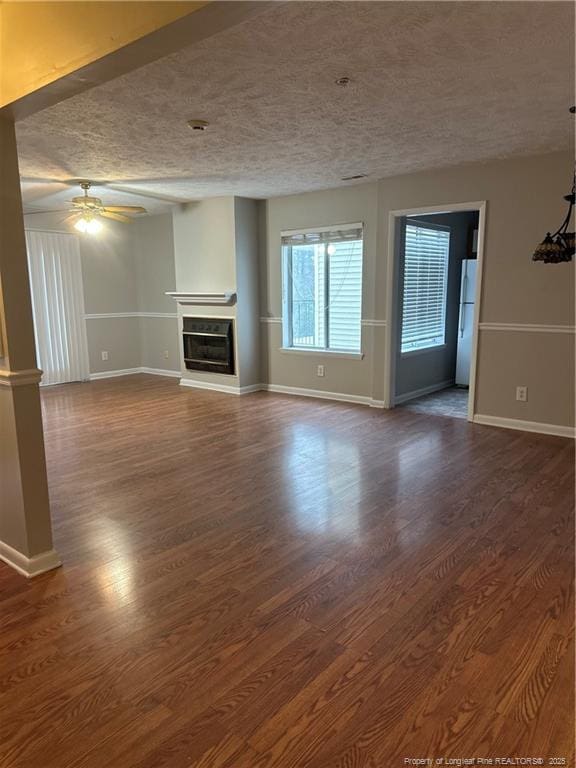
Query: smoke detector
(198, 125)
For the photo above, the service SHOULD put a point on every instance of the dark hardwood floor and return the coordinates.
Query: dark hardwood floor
(274, 581)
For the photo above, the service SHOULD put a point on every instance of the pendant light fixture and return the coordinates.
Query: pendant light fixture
(559, 247)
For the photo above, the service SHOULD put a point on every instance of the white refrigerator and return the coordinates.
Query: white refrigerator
(466, 322)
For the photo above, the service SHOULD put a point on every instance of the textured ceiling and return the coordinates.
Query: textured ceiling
(432, 85)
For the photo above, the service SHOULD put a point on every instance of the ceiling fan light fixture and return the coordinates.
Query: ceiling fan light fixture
(88, 225)
(93, 227)
(87, 212)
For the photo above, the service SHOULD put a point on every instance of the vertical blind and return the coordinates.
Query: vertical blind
(58, 306)
(426, 257)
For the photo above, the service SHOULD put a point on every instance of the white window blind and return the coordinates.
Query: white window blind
(322, 290)
(426, 260)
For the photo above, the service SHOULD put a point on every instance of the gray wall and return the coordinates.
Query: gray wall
(155, 274)
(110, 287)
(205, 261)
(435, 366)
(119, 337)
(216, 250)
(204, 245)
(154, 263)
(125, 271)
(108, 269)
(247, 286)
(298, 369)
(515, 290)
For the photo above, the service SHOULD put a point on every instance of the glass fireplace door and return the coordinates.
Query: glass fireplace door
(208, 345)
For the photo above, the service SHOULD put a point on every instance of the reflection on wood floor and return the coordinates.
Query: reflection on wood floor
(275, 582)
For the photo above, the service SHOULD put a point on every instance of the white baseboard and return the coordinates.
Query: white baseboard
(29, 566)
(282, 390)
(161, 372)
(251, 388)
(236, 390)
(131, 371)
(525, 426)
(340, 396)
(113, 374)
(228, 389)
(424, 391)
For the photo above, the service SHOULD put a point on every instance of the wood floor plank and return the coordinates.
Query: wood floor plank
(274, 582)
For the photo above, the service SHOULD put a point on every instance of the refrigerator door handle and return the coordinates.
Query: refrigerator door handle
(464, 294)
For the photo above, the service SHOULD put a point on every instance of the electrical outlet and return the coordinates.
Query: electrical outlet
(522, 394)
(104, 355)
(166, 354)
(319, 370)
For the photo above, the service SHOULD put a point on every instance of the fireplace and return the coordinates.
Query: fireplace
(208, 344)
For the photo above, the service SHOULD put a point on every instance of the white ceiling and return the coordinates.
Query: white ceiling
(433, 84)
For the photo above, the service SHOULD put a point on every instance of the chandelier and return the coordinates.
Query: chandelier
(559, 247)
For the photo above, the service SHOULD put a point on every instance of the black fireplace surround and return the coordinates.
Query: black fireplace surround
(208, 344)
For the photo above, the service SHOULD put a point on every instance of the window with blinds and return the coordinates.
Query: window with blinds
(426, 258)
(322, 288)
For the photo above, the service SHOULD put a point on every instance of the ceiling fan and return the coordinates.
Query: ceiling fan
(87, 211)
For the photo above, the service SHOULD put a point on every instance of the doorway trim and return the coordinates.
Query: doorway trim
(392, 288)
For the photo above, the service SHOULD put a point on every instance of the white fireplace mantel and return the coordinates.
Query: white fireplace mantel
(205, 299)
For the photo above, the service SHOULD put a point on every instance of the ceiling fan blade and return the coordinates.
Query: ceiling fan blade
(125, 208)
(52, 210)
(116, 216)
(42, 180)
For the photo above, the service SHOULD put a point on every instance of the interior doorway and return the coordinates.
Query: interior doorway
(434, 290)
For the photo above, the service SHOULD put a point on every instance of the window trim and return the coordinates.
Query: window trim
(287, 288)
(320, 351)
(415, 221)
(423, 350)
